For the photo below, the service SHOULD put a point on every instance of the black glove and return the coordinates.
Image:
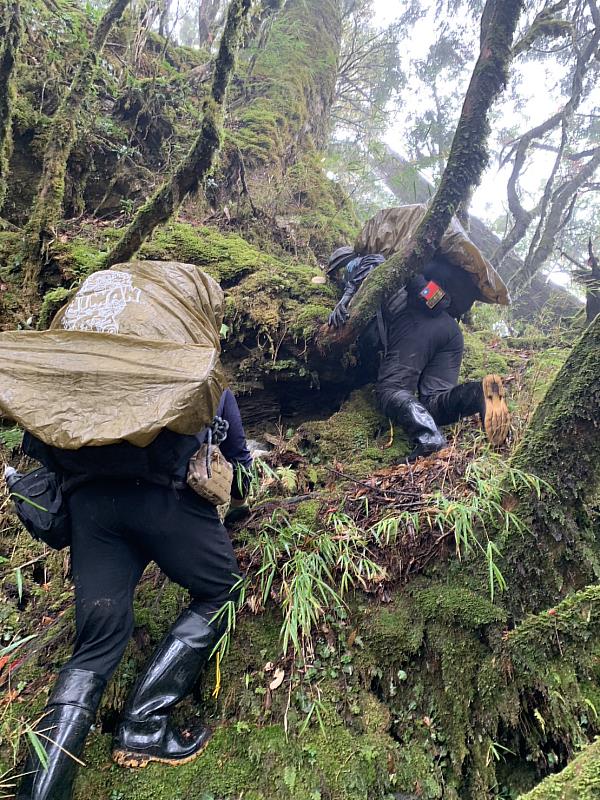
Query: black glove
(339, 315)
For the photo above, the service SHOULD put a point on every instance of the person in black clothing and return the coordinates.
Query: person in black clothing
(423, 350)
(118, 527)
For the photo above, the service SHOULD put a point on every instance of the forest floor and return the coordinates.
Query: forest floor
(338, 484)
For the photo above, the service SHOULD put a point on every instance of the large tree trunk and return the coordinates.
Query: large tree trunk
(466, 162)
(199, 161)
(280, 123)
(560, 551)
(47, 209)
(10, 36)
(208, 11)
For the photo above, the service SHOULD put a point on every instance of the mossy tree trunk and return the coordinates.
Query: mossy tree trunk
(561, 550)
(62, 134)
(466, 162)
(199, 161)
(280, 122)
(290, 86)
(10, 37)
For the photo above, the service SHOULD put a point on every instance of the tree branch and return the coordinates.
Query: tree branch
(199, 160)
(541, 249)
(466, 162)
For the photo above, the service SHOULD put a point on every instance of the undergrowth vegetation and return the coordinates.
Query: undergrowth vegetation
(308, 560)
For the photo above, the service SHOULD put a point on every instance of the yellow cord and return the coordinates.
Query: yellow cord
(217, 688)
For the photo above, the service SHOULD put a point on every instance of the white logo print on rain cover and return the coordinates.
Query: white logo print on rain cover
(100, 301)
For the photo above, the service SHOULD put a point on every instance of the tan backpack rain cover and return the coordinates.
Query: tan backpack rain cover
(134, 351)
(391, 228)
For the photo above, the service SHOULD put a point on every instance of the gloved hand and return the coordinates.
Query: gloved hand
(340, 314)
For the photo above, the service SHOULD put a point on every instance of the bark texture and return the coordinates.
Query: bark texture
(47, 209)
(10, 37)
(466, 162)
(560, 551)
(200, 159)
(208, 11)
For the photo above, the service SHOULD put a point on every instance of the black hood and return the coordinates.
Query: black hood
(456, 282)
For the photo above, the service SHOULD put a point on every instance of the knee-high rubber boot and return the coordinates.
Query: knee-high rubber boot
(145, 732)
(485, 398)
(68, 717)
(417, 422)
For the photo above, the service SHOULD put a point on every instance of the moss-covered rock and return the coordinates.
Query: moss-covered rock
(357, 436)
(227, 257)
(579, 781)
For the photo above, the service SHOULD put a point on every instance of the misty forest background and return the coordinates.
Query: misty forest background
(404, 632)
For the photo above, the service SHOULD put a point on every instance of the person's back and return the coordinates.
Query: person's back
(135, 506)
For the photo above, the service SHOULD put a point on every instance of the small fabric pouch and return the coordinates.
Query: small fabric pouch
(209, 473)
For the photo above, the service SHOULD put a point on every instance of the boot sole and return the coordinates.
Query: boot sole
(132, 760)
(497, 416)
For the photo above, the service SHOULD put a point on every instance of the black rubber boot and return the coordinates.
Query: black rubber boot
(145, 732)
(68, 717)
(418, 424)
(485, 398)
(463, 400)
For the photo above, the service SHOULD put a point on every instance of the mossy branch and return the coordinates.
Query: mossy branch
(47, 209)
(199, 161)
(466, 162)
(10, 37)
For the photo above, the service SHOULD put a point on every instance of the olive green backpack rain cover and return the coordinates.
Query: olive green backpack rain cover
(134, 351)
(392, 229)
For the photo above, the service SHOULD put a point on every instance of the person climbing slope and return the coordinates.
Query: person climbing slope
(417, 384)
(138, 469)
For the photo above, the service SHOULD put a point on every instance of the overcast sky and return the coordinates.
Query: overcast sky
(540, 99)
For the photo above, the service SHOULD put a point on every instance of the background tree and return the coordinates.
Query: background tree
(47, 209)
(10, 34)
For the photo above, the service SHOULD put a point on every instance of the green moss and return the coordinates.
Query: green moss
(457, 605)
(569, 633)
(392, 634)
(541, 370)
(307, 513)
(579, 781)
(77, 259)
(308, 319)
(51, 302)
(9, 246)
(260, 761)
(357, 436)
(481, 357)
(257, 133)
(277, 303)
(226, 257)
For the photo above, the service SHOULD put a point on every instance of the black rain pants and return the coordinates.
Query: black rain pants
(118, 528)
(424, 357)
